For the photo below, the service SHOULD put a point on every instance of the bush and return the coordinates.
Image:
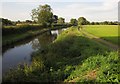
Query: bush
(19, 29)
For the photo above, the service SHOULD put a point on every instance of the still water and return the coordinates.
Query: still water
(20, 52)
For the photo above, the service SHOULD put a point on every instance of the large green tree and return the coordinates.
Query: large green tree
(73, 22)
(43, 15)
(82, 21)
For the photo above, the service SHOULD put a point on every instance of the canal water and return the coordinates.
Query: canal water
(20, 53)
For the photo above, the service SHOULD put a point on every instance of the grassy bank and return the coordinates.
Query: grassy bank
(107, 32)
(12, 34)
(10, 39)
(70, 58)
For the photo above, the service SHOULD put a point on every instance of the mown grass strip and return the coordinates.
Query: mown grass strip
(106, 32)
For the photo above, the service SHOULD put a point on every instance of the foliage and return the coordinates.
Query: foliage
(99, 68)
(61, 25)
(104, 23)
(12, 34)
(61, 20)
(6, 22)
(7, 30)
(73, 22)
(28, 21)
(55, 18)
(43, 15)
(82, 21)
(67, 59)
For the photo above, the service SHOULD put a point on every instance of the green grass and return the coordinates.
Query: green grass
(12, 34)
(107, 32)
(70, 58)
(9, 39)
(98, 68)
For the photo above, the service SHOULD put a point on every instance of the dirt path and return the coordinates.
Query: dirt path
(98, 39)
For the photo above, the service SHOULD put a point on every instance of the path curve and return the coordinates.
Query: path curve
(98, 39)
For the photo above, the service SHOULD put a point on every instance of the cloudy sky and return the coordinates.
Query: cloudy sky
(93, 10)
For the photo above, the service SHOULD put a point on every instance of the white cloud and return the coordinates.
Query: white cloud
(96, 11)
(110, 4)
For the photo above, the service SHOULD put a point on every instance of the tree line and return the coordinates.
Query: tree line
(84, 21)
(73, 22)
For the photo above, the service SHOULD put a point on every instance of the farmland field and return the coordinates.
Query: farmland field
(106, 32)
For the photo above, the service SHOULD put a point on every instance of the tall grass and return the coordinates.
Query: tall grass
(8, 30)
(12, 35)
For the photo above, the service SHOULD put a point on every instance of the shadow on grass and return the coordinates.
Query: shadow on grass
(110, 42)
(75, 46)
(113, 39)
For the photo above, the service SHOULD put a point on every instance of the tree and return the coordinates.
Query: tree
(28, 21)
(82, 21)
(105, 22)
(92, 23)
(43, 15)
(0, 22)
(18, 22)
(87, 23)
(34, 15)
(96, 23)
(6, 22)
(61, 20)
(73, 22)
(55, 18)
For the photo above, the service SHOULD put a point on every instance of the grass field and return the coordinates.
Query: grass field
(70, 58)
(107, 32)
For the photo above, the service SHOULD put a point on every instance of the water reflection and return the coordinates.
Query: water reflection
(35, 44)
(20, 52)
(54, 32)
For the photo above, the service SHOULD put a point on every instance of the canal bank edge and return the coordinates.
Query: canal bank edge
(29, 35)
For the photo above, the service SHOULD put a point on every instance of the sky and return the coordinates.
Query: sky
(92, 10)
